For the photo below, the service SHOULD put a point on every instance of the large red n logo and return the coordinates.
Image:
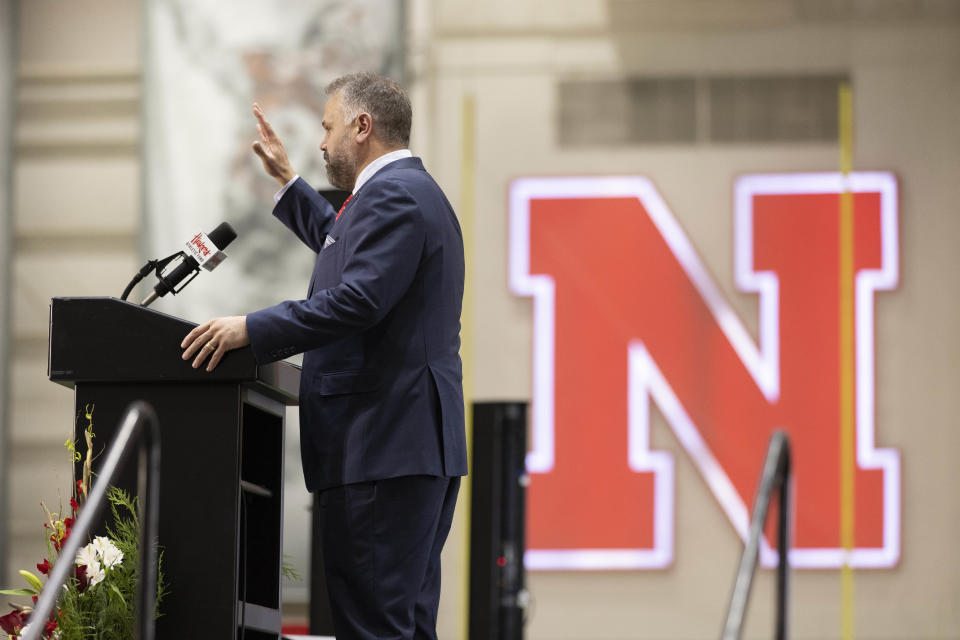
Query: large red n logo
(625, 314)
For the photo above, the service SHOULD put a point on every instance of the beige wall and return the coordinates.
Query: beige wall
(77, 214)
(509, 57)
(7, 50)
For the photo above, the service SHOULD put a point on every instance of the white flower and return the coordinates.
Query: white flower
(95, 574)
(90, 556)
(87, 555)
(99, 543)
(108, 552)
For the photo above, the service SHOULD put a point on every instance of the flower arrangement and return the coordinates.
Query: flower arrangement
(97, 602)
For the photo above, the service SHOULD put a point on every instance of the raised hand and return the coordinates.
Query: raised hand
(270, 150)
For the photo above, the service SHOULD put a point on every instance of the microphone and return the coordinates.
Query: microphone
(202, 250)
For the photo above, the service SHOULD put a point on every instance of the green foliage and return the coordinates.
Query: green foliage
(289, 571)
(106, 611)
(32, 579)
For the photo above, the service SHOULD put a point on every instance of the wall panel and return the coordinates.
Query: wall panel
(904, 75)
(8, 12)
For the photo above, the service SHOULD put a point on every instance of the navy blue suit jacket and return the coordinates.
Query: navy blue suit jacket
(381, 391)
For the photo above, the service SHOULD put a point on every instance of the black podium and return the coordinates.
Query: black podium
(221, 489)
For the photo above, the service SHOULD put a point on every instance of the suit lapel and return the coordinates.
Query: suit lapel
(351, 207)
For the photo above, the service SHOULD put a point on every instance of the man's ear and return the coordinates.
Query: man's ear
(364, 126)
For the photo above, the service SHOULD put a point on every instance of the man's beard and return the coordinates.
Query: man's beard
(341, 170)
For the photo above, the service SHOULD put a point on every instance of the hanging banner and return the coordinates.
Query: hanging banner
(204, 68)
(627, 318)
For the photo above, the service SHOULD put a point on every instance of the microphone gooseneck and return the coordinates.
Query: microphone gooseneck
(149, 299)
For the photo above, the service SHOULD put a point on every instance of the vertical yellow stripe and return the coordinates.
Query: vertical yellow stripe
(847, 372)
(466, 212)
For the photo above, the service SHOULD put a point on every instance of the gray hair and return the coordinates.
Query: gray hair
(385, 101)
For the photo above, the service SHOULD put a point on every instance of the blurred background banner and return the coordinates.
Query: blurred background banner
(204, 67)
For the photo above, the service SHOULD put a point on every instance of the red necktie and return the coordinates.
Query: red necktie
(343, 206)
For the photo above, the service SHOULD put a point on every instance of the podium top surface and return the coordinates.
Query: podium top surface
(110, 340)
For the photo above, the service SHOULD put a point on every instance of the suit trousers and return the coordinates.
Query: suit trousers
(381, 543)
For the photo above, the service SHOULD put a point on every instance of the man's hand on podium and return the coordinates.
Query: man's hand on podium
(214, 338)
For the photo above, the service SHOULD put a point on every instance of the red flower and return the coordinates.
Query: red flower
(58, 537)
(74, 505)
(12, 622)
(50, 627)
(82, 582)
(44, 567)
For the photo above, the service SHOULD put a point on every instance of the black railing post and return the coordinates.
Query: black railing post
(148, 485)
(783, 541)
(776, 473)
(139, 425)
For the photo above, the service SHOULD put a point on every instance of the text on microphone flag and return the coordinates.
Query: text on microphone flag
(204, 251)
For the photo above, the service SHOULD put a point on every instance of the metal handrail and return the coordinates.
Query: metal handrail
(139, 425)
(776, 472)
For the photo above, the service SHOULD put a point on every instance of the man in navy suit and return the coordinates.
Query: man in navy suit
(381, 397)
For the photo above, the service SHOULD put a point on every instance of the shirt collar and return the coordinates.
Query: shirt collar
(378, 164)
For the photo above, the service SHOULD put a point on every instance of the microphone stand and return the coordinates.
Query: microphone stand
(158, 266)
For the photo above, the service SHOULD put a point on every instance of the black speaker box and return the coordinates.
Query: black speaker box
(498, 511)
